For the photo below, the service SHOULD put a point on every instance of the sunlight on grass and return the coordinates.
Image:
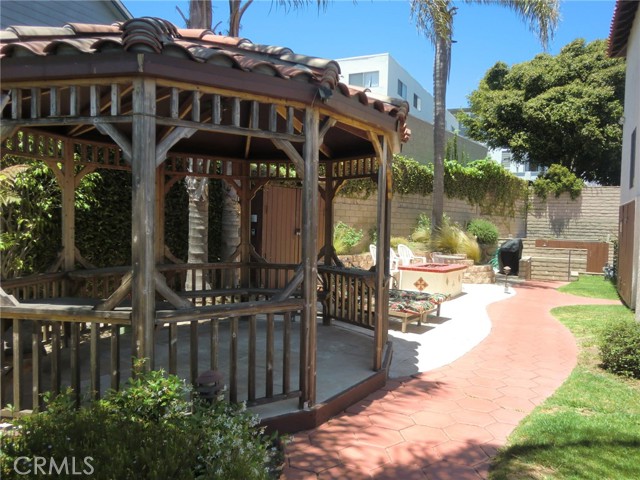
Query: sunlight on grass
(593, 286)
(590, 427)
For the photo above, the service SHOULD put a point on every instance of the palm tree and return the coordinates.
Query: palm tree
(434, 18)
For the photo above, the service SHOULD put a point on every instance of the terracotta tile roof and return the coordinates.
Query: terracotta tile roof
(621, 24)
(155, 35)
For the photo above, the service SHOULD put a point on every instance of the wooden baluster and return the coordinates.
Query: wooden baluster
(214, 342)
(16, 104)
(270, 354)
(286, 354)
(18, 365)
(252, 359)
(54, 102)
(273, 118)
(55, 358)
(35, 103)
(94, 361)
(36, 367)
(115, 99)
(193, 351)
(75, 361)
(173, 348)
(235, 111)
(216, 116)
(233, 361)
(115, 357)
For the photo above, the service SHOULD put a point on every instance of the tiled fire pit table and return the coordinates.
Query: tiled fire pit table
(432, 277)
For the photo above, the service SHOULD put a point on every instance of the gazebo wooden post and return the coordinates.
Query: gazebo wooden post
(382, 255)
(160, 214)
(68, 208)
(309, 256)
(143, 164)
(245, 226)
(329, 194)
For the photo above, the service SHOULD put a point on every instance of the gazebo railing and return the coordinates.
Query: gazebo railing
(53, 343)
(349, 295)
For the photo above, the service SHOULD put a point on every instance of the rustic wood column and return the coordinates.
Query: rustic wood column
(68, 209)
(143, 257)
(309, 254)
(329, 194)
(245, 226)
(382, 255)
(159, 220)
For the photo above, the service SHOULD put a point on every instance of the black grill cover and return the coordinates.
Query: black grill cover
(509, 255)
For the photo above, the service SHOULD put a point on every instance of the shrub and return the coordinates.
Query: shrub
(558, 179)
(422, 232)
(469, 246)
(395, 241)
(483, 230)
(150, 430)
(451, 239)
(620, 348)
(345, 238)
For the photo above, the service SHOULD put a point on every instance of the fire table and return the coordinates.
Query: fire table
(432, 278)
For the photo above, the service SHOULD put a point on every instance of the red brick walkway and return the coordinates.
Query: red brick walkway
(448, 422)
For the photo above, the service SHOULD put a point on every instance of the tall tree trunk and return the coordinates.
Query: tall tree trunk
(440, 75)
(198, 252)
(236, 11)
(200, 14)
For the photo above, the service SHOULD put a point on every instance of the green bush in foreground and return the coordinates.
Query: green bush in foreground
(151, 430)
(620, 348)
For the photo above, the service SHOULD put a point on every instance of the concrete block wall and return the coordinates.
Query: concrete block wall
(593, 216)
(361, 214)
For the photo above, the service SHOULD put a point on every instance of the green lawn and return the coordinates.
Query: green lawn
(590, 427)
(593, 286)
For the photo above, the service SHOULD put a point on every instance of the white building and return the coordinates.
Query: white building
(57, 13)
(523, 170)
(383, 75)
(624, 41)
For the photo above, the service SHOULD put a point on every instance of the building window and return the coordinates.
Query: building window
(417, 102)
(364, 79)
(632, 163)
(402, 89)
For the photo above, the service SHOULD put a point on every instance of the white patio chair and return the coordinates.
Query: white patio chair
(407, 257)
(394, 261)
(372, 251)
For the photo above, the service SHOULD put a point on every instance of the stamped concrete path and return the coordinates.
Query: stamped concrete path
(446, 423)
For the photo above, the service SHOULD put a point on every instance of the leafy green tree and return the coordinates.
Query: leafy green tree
(561, 109)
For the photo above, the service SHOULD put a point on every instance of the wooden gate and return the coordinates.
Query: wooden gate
(597, 252)
(625, 251)
(278, 224)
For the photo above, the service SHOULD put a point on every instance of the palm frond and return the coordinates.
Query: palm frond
(541, 16)
(433, 18)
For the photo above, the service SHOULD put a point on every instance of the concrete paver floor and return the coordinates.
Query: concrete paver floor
(447, 422)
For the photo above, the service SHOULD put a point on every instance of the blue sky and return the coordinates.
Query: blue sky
(484, 34)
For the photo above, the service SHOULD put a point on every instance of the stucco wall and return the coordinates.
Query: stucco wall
(630, 192)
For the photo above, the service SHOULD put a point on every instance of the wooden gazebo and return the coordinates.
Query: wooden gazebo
(147, 97)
